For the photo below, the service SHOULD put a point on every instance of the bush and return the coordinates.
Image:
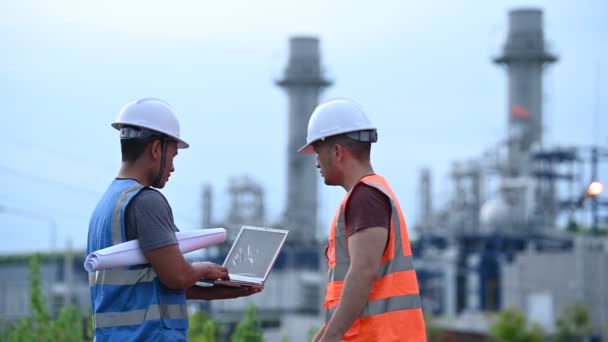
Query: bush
(573, 324)
(40, 326)
(312, 332)
(248, 330)
(202, 328)
(511, 326)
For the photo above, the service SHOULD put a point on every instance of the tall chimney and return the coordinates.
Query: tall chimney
(303, 81)
(524, 55)
(207, 206)
(426, 201)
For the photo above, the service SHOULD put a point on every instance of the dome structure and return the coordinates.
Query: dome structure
(493, 214)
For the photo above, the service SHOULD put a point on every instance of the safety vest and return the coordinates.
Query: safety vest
(129, 303)
(393, 311)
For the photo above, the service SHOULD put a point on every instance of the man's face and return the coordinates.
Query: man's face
(326, 162)
(169, 167)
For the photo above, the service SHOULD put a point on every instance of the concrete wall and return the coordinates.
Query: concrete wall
(555, 280)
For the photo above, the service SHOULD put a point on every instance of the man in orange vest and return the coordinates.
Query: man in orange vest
(372, 291)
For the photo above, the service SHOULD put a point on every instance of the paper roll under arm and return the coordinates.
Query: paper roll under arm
(129, 254)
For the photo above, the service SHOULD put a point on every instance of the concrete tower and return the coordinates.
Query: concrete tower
(303, 81)
(425, 200)
(525, 56)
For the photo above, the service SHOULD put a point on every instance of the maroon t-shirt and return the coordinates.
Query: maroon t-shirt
(367, 207)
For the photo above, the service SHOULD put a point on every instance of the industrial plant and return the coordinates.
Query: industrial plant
(508, 235)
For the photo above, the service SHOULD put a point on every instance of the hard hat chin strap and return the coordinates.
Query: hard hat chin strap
(163, 157)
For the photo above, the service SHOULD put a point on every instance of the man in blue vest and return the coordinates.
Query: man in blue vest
(146, 302)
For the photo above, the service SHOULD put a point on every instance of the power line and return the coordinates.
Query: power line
(23, 143)
(65, 155)
(32, 215)
(48, 181)
(66, 186)
(20, 202)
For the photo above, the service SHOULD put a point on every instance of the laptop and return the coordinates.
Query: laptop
(251, 257)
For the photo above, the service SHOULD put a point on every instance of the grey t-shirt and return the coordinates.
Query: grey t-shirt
(149, 219)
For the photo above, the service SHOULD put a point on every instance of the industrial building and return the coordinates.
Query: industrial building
(63, 281)
(497, 244)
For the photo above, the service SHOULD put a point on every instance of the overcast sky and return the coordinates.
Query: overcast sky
(422, 69)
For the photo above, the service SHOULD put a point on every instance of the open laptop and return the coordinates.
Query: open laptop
(251, 257)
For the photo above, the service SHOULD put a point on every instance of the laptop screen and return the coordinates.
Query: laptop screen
(254, 251)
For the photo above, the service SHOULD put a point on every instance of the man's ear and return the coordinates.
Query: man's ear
(155, 149)
(338, 151)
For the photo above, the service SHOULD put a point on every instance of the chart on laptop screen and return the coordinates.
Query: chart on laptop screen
(253, 252)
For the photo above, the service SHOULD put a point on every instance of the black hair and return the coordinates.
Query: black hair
(361, 150)
(132, 149)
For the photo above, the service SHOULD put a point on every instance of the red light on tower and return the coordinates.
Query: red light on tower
(520, 112)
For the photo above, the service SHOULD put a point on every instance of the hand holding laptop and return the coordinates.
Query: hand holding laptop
(229, 292)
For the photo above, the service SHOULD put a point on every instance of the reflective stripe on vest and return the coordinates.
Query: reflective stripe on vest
(395, 287)
(121, 276)
(116, 214)
(380, 306)
(136, 317)
(400, 264)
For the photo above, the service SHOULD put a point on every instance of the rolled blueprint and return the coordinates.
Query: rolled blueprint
(129, 254)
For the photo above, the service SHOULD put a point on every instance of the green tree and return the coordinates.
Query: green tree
(248, 330)
(310, 334)
(68, 325)
(433, 332)
(40, 326)
(573, 324)
(573, 227)
(511, 326)
(202, 328)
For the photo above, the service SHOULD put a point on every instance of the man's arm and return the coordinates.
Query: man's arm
(365, 248)
(176, 273)
(149, 219)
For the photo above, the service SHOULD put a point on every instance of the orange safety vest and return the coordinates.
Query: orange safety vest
(393, 311)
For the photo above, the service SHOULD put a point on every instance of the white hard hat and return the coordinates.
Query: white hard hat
(338, 116)
(153, 114)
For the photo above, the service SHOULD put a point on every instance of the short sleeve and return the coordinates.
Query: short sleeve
(149, 219)
(367, 207)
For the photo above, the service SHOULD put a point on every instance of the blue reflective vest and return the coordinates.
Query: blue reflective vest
(129, 303)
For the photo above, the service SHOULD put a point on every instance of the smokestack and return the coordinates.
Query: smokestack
(425, 200)
(303, 81)
(207, 206)
(524, 55)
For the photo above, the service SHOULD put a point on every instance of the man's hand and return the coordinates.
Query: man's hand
(226, 292)
(176, 273)
(221, 292)
(211, 271)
